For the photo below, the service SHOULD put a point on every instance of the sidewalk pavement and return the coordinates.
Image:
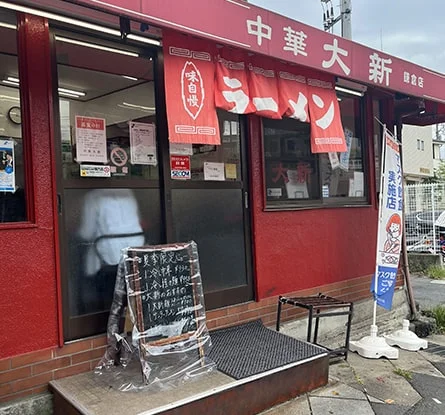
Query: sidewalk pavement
(414, 384)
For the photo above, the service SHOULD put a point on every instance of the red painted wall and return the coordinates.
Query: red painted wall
(28, 294)
(300, 249)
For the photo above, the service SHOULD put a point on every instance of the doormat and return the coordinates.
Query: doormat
(251, 348)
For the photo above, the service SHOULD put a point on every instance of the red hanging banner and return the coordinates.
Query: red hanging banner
(326, 128)
(294, 95)
(189, 89)
(231, 84)
(263, 88)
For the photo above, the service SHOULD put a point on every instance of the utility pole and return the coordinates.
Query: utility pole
(329, 20)
(346, 27)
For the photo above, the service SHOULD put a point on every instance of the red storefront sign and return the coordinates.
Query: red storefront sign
(232, 85)
(326, 128)
(293, 92)
(263, 87)
(189, 88)
(180, 167)
(258, 30)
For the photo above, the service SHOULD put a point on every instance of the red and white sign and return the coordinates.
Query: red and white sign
(232, 85)
(262, 31)
(263, 87)
(91, 140)
(189, 87)
(293, 92)
(180, 167)
(327, 133)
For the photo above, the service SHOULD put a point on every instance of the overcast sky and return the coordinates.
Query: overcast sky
(410, 29)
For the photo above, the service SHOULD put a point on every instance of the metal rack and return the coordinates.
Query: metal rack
(317, 306)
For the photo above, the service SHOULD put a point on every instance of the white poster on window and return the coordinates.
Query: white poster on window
(356, 185)
(333, 158)
(65, 124)
(344, 157)
(91, 140)
(179, 149)
(143, 143)
(7, 167)
(214, 171)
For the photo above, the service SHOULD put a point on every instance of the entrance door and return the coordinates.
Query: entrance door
(109, 191)
(213, 209)
(116, 186)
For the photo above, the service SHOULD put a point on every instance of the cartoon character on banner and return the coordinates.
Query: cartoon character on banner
(392, 243)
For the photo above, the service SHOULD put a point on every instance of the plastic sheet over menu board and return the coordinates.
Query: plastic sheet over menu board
(170, 341)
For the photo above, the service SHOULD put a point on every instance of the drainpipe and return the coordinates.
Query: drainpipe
(405, 266)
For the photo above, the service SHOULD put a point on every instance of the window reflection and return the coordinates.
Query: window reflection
(12, 159)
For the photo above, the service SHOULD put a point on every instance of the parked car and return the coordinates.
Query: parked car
(421, 223)
(424, 243)
(425, 221)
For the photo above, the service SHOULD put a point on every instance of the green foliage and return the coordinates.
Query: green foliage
(402, 372)
(436, 272)
(438, 313)
(439, 173)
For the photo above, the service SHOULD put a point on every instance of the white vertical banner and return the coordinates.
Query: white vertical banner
(389, 234)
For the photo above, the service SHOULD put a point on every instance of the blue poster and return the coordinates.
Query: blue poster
(7, 172)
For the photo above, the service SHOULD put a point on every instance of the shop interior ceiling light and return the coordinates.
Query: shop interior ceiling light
(67, 94)
(11, 80)
(72, 92)
(8, 25)
(137, 107)
(349, 91)
(63, 19)
(406, 339)
(5, 81)
(96, 46)
(143, 39)
(75, 22)
(131, 78)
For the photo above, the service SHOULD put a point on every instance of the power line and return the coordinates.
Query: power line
(329, 18)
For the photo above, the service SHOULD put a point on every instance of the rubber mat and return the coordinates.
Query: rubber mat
(252, 348)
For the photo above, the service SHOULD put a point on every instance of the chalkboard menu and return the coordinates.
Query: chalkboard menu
(163, 292)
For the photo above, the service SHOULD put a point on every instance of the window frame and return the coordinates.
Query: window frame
(26, 135)
(330, 202)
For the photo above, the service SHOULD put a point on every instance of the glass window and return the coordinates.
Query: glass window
(12, 158)
(346, 180)
(116, 86)
(227, 155)
(291, 168)
(295, 176)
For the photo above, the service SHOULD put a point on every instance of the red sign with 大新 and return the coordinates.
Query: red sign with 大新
(189, 88)
(262, 31)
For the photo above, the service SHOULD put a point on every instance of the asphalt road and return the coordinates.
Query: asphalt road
(427, 292)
